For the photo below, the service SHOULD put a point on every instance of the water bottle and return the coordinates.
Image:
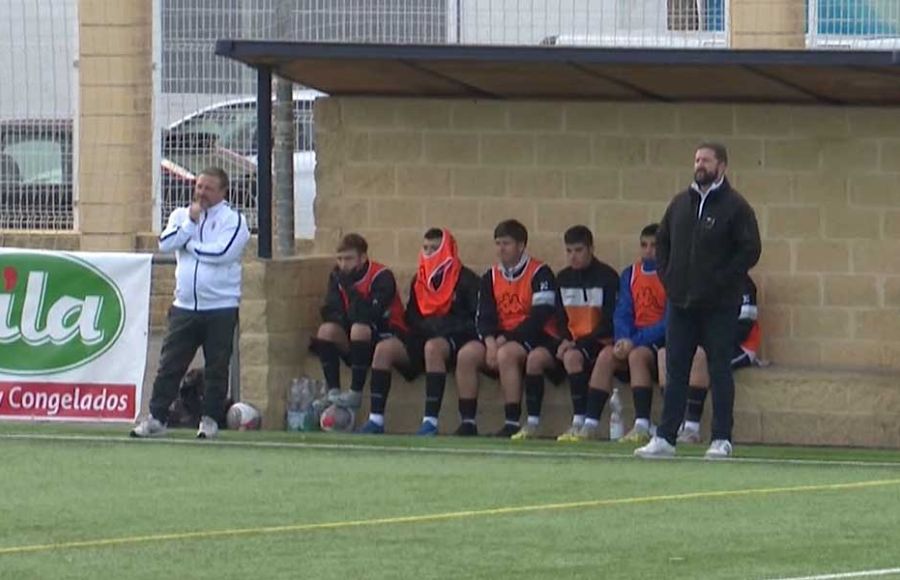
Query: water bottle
(299, 398)
(616, 426)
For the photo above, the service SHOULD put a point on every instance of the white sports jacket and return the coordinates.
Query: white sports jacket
(208, 253)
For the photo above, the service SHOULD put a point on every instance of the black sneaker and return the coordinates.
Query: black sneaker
(466, 429)
(508, 430)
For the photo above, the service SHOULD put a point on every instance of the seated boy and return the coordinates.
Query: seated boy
(361, 308)
(639, 326)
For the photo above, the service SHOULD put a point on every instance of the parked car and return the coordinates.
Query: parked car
(37, 178)
(233, 122)
(36, 174)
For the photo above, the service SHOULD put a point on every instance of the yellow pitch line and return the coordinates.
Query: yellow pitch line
(440, 516)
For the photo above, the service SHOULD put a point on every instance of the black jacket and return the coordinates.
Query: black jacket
(372, 310)
(579, 291)
(703, 255)
(460, 319)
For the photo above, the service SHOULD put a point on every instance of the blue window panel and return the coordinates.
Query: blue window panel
(714, 15)
(858, 17)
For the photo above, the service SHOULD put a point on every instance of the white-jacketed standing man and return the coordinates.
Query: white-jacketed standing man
(208, 238)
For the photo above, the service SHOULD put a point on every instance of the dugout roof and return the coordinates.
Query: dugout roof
(555, 72)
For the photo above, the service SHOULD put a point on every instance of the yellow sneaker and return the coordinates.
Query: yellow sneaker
(589, 432)
(526, 432)
(570, 436)
(638, 435)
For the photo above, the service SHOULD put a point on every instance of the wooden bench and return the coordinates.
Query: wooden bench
(774, 405)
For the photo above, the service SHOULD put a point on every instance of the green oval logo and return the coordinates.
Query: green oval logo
(56, 313)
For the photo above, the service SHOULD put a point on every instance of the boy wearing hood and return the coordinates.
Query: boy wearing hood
(440, 317)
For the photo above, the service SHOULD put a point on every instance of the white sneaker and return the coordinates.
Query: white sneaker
(719, 449)
(209, 429)
(148, 427)
(589, 432)
(686, 435)
(349, 399)
(658, 448)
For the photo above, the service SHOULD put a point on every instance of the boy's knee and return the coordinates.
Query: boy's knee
(573, 361)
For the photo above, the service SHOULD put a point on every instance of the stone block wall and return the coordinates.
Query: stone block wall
(279, 313)
(825, 183)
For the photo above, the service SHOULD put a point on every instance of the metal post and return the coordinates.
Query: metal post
(283, 157)
(264, 160)
(234, 365)
(283, 160)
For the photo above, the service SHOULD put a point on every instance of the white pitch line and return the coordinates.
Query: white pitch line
(563, 453)
(860, 574)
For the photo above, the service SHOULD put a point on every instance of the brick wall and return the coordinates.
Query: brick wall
(116, 123)
(767, 24)
(825, 183)
(279, 313)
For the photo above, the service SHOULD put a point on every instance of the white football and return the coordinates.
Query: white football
(339, 419)
(243, 417)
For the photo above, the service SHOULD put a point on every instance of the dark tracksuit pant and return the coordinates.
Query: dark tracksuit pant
(213, 330)
(714, 329)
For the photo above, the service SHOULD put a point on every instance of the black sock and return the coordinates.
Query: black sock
(513, 412)
(360, 361)
(330, 357)
(434, 393)
(534, 394)
(578, 386)
(467, 409)
(696, 399)
(380, 387)
(596, 400)
(643, 399)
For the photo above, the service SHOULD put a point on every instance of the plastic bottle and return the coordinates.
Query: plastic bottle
(299, 398)
(616, 426)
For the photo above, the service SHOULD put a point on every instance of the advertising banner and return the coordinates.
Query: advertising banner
(73, 334)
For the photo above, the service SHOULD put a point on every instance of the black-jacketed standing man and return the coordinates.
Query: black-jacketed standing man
(707, 242)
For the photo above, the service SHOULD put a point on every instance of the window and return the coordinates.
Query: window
(39, 161)
(858, 17)
(686, 15)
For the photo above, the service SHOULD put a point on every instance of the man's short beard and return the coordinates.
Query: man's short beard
(704, 178)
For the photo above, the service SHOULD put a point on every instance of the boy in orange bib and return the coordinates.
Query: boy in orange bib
(516, 314)
(362, 307)
(640, 330)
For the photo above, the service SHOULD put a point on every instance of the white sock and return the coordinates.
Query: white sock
(533, 421)
(377, 419)
(691, 426)
(642, 423)
(432, 420)
(588, 422)
(577, 420)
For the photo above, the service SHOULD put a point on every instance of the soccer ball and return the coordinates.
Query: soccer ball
(339, 419)
(243, 417)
